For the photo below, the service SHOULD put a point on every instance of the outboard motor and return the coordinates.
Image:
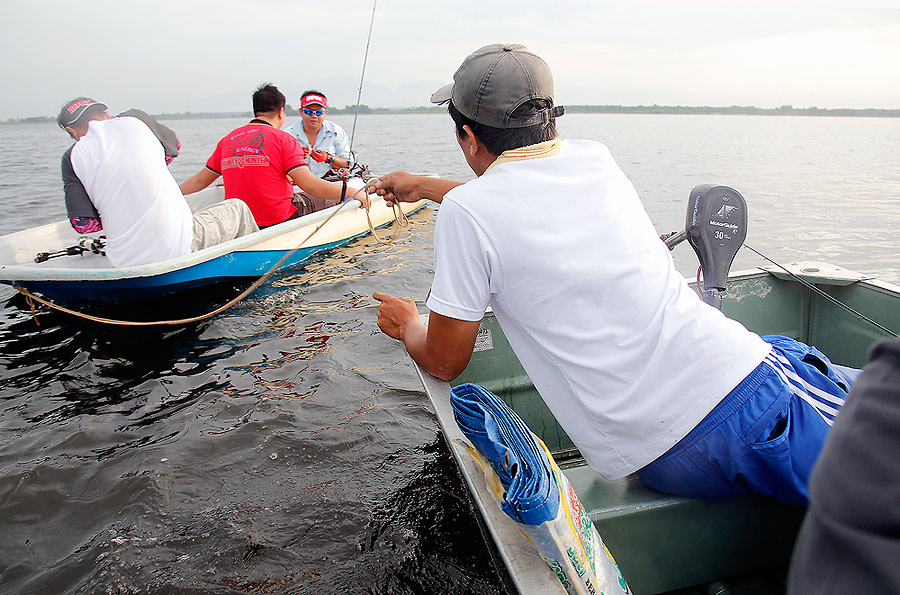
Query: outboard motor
(716, 227)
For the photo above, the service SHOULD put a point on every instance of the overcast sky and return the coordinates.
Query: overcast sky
(176, 56)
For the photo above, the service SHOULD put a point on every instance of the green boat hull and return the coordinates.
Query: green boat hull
(664, 543)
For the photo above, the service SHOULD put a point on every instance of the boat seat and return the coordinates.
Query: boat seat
(663, 542)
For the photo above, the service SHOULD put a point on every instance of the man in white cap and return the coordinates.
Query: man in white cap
(116, 180)
(643, 376)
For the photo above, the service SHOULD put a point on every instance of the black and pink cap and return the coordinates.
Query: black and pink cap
(74, 109)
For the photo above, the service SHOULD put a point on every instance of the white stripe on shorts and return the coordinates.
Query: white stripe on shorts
(812, 395)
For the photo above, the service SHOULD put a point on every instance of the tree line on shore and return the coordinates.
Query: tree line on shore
(784, 110)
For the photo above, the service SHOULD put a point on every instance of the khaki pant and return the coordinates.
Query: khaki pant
(221, 222)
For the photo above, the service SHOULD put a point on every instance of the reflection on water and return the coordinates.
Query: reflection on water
(285, 445)
(278, 447)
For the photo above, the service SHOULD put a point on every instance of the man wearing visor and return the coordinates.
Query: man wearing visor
(325, 144)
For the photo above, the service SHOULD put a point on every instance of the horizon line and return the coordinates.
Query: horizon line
(575, 108)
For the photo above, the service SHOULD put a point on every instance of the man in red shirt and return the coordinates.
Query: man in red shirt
(258, 162)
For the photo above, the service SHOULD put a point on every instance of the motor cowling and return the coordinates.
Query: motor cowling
(716, 228)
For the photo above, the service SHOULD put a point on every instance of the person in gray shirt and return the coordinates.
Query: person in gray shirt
(850, 538)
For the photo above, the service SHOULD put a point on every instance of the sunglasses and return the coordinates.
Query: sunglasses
(313, 112)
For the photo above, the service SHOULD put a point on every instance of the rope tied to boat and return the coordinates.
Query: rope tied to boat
(29, 299)
(401, 221)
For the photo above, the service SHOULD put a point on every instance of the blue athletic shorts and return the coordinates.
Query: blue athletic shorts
(764, 436)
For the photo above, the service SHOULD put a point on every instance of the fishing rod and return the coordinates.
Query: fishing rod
(364, 173)
(85, 244)
(358, 169)
(362, 77)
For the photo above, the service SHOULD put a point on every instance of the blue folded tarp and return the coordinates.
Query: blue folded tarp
(531, 492)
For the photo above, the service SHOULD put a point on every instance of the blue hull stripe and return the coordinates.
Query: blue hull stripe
(235, 265)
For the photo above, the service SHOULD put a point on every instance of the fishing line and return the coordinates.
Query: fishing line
(399, 215)
(362, 76)
(833, 300)
(673, 239)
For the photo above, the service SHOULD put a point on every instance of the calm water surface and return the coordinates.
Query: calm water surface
(285, 446)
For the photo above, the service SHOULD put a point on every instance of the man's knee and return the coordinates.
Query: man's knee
(222, 222)
(307, 203)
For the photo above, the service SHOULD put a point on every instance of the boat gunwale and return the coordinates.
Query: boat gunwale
(34, 272)
(526, 569)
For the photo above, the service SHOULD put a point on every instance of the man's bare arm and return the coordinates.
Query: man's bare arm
(198, 181)
(405, 187)
(443, 349)
(315, 186)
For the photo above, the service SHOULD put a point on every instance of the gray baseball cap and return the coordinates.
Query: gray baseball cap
(495, 80)
(75, 108)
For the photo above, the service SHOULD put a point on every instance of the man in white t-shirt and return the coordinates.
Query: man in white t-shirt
(643, 376)
(115, 178)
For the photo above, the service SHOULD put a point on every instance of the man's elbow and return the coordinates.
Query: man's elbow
(197, 182)
(447, 371)
(446, 375)
(189, 186)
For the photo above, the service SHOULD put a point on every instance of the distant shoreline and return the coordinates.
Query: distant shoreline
(734, 110)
